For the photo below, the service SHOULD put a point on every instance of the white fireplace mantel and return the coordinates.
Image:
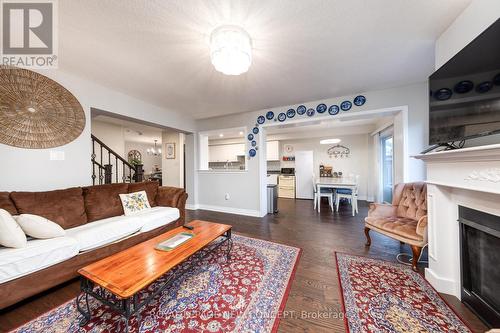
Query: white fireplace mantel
(467, 177)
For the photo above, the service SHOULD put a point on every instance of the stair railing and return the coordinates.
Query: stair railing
(105, 159)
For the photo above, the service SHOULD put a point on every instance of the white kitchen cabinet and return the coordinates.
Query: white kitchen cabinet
(272, 150)
(225, 153)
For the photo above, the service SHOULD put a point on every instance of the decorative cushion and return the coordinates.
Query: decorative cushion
(150, 187)
(64, 207)
(7, 204)
(400, 226)
(39, 227)
(11, 234)
(103, 201)
(134, 203)
(344, 191)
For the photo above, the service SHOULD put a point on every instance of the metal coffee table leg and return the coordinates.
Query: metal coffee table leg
(86, 314)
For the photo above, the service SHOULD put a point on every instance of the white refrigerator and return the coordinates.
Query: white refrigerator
(304, 165)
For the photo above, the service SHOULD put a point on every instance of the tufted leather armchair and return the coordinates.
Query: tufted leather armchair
(404, 220)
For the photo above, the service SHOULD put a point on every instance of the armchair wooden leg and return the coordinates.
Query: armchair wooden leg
(368, 239)
(416, 255)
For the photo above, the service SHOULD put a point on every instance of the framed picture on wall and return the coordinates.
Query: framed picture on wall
(170, 151)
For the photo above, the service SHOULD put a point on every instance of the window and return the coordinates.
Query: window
(387, 169)
(223, 150)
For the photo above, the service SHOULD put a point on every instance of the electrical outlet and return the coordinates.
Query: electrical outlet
(226, 196)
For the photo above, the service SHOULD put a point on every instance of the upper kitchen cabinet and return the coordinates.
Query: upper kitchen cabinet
(226, 152)
(273, 150)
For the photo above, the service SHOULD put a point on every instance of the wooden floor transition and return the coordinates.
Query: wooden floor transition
(313, 304)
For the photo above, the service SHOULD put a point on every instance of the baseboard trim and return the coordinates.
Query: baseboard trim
(228, 210)
(442, 285)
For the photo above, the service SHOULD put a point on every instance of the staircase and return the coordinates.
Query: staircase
(109, 167)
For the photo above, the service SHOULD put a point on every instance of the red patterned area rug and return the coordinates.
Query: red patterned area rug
(245, 294)
(380, 296)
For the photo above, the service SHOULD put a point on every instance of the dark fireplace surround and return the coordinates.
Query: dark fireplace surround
(480, 263)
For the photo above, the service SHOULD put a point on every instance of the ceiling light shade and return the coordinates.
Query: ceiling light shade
(329, 141)
(230, 50)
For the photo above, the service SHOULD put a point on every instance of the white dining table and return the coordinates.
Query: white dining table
(335, 183)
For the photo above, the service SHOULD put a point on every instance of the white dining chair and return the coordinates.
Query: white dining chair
(351, 194)
(325, 192)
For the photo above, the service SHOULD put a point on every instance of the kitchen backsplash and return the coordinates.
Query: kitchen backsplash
(226, 166)
(273, 166)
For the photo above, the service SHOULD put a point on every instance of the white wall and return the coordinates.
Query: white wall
(478, 16)
(245, 186)
(359, 162)
(31, 169)
(173, 169)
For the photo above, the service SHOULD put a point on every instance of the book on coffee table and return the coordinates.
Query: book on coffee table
(174, 241)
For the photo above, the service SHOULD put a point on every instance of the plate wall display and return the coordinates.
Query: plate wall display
(359, 100)
(301, 109)
(311, 112)
(333, 110)
(282, 116)
(261, 120)
(254, 143)
(484, 87)
(463, 87)
(255, 130)
(250, 137)
(37, 112)
(443, 94)
(252, 152)
(346, 105)
(321, 108)
(290, 113)
(270, 115)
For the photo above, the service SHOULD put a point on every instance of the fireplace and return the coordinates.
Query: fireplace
(480, 263)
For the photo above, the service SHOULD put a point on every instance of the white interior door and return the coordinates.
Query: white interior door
(304, 164)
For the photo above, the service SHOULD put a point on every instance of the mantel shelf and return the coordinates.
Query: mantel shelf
(472, 154)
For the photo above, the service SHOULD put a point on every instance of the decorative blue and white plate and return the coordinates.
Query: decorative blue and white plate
(359, 100)
(321, 108)
(255, 130)
(484, 87)
(301, 110)
(333, 110)
(282, 116)
(254, 143)
(463, 87)
(261, 120)
(311, 112)
(443, 94)
(290, 113)
(496, 80)
(252, 152)
(270, 115)
(250, 137)
(346, 105)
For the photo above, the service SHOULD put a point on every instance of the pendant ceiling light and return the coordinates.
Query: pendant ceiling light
(230, 50)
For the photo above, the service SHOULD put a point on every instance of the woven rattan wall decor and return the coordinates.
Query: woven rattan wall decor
(37, 112)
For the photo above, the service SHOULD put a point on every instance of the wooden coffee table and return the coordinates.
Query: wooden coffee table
(117, 280)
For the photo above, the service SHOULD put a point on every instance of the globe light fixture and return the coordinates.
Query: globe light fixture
(230, 50)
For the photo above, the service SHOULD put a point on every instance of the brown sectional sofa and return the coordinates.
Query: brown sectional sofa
(75, 207)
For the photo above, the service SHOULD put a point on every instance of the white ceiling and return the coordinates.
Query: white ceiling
(304, 50)
(133, 132)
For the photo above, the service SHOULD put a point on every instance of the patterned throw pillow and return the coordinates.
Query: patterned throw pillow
(134, 203)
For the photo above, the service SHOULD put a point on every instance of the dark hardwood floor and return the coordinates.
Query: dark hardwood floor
(314, 301)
